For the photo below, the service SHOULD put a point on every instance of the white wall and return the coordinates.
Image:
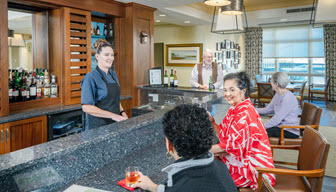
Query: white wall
(173, 34)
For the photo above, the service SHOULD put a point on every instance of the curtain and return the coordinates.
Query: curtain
(330, 58)
(253, 51)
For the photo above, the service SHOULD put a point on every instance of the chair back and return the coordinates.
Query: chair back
(265, 91)
(311, 115)
(313, 154)
(302, 88)
(257, 78)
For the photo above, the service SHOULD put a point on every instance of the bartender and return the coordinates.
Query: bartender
(200, 75)
(101, 90)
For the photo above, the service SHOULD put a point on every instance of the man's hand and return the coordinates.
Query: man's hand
(117, 118)
(203, 86)
(146, 184)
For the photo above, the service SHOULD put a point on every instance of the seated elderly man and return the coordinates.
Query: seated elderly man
(285, 107)
(200, 75)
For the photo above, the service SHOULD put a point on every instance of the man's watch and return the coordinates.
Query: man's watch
(123, 111)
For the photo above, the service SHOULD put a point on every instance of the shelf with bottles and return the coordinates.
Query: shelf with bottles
(102, 30)
(27, 86)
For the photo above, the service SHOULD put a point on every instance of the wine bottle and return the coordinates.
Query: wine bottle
(175, 79)
(111, 30)
(32, 90)
(38, 90)
(210, 84)
(105, 30)
(10, 86)
(165, 79)
(15, 92)
(171, 78)
(97, 29)
(23, 92)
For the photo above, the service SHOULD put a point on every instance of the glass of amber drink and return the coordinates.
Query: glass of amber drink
(132, 176)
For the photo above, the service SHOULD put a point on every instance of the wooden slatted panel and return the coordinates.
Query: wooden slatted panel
(79, 64)
(78, 60)
(78, 49)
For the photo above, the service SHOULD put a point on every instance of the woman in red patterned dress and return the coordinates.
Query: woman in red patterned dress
(243, 141)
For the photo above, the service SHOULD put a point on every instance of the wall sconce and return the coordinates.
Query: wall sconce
(10, 33)
(143, 37)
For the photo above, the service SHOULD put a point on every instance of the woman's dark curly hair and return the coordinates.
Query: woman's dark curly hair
(243, 81)
(189, 130)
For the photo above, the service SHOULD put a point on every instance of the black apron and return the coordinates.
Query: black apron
(111, 103)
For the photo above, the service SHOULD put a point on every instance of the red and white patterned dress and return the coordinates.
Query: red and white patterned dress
(243, 136)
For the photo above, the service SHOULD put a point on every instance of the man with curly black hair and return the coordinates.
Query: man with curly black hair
(189, 133)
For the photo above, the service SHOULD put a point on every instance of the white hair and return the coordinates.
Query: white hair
(281, 78)
(207, 51)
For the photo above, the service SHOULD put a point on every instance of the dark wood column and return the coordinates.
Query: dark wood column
(136, 57)
(4, 110)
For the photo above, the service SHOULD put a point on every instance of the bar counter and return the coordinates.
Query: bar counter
(45, 111)
(98, 158)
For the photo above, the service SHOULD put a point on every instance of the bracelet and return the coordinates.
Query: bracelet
(123, 111)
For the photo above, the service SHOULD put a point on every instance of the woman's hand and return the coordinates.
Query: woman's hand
(117, 118)
(210, 117)
(146, 184)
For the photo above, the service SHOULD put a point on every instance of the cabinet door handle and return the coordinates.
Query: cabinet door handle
(2, 136)
(7, 134)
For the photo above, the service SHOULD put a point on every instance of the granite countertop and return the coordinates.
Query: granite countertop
(95, 158)
(177, 89)
(45, 111)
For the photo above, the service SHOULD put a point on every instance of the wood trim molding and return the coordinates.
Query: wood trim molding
(4, 103)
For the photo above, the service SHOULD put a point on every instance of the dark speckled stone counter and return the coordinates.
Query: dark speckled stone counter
(96, 158)
(45, 111)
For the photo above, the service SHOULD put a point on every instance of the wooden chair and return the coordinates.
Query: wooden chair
(254, 92)
(311, 164)
(299, 95)
(311, 115)
(319, 89)
(265, 93)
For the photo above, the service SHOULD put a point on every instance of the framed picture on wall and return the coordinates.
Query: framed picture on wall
(239, 54)
(183, 55)
(224, 56)
(238, 48)
(232, 54)
(219, 56)
(228, 54)
(223, 44)
(227, 44)
(219, 46)
(232, 45)
(236, 55)
(238, 61)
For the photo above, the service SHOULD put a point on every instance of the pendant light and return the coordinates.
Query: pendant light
(235, 8)
(217, 2)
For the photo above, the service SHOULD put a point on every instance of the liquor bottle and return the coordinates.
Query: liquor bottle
(171, 78)
(41, 74)
(97, 29)
(23, 92)
(175, 78)
(165, 79)
(111, 30)
(32, 90)
(92, 29)
(15, 92)
(10, 84)
(27, 90)
(46, 88)
(210, 84)
(105, 30)
(38, 89)
(54, 87)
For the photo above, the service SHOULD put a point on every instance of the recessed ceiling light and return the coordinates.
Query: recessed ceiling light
(158, 21)
(186, 21)
(283, 20)
(162, 15)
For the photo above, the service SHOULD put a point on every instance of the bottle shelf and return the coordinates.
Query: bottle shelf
(33, 104)
(101, 36)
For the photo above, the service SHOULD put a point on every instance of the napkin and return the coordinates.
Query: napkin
(123, 184)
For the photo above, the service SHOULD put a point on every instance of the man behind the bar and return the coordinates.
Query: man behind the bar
(200, 75)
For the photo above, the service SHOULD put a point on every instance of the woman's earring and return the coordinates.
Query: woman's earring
(168, 157)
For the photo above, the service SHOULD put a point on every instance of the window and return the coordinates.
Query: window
(296, 50)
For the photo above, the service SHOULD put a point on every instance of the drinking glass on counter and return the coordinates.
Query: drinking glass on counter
(132, 175)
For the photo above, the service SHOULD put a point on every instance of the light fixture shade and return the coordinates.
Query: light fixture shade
(217, 2)
(17, 41)
(235, 8)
